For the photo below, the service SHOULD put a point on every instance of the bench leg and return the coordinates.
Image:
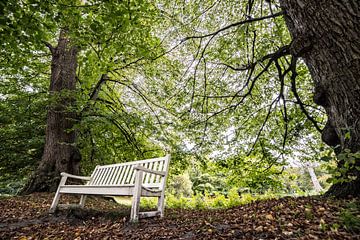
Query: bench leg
(57, 195)
(161, 204)
(82, 201)
(135, 206)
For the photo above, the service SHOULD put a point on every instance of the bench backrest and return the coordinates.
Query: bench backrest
(124, 173)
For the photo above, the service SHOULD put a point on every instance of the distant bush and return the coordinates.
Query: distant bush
(234, 197)
(180, 185)
(209, 183)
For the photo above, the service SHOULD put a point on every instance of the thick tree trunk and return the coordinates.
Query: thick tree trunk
(60, 153)
(326, 34)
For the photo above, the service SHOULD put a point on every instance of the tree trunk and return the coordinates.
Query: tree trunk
(326, 34)
(60, 153)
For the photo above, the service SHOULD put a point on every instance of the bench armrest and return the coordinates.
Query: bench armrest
(144, 169)
(64, 174)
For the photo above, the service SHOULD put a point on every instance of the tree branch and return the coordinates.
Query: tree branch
(294, 90)
(251, 20)
(51, 47)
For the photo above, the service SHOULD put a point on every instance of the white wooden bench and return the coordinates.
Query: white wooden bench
(138, 178)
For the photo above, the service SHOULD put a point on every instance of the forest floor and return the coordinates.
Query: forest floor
(27, 217)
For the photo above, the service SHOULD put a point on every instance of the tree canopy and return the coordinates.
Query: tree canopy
(220, 84)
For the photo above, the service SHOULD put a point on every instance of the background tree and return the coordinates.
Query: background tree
(60, 153)
(94, 54)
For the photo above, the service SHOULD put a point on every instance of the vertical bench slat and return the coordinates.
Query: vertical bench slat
(122, 175)
(94, 175)
(144, 175)
(123, 180)
(99, 176)
(110, 181)
(150, 165)
(160, 167)
(108, 171)
(121, 171)
(132, 180)
(114, 176)
(110, 174)
(154, 167)
(130, 174)
(104, 177)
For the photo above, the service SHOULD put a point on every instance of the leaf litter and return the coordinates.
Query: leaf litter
(27, 217)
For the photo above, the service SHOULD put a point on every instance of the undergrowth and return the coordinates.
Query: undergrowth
(350, 216)
(206, 201)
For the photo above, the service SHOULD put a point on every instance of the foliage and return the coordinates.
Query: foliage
(11, 187)
(209, 183)
(112, 37)
(22, 122)
(216, 201)
(350, 216)
(180, 185)
(160, 76)
(346, 167)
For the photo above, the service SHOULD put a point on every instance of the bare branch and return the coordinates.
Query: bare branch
(263, 125)
(251, 20)
(281, 96)
(51, 47)
(294, 90)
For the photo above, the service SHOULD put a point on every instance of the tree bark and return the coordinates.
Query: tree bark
(60, 153)
(326, 34)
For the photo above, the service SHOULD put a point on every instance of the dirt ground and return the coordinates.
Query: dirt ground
(27, 217)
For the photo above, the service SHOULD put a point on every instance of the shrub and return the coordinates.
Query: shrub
(180, 185)
(219, 201)
(233, 197)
